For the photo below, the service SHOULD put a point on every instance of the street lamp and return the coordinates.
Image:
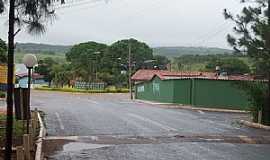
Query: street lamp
(97, 53)
(29, 60)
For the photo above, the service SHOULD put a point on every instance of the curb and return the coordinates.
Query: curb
(179, 106)
(255, 125)
(42, 133)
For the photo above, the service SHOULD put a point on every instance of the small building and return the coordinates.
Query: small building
(201, 89)
(37, 79)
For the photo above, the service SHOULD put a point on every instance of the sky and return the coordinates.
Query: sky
(156, 22)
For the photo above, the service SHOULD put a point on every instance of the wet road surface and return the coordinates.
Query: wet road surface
(110, 126)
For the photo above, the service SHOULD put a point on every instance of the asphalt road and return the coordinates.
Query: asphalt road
(112, 127)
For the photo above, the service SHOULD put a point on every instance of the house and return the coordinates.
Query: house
(201, 89)
(22, 77)
(37, 79)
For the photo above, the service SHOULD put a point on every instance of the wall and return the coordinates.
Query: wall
(182, 91)
(196, 92)
(219, 94)
(156, 90)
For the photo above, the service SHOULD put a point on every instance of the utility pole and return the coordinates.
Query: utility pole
(130, 69)
(28, 100)
(10, 78)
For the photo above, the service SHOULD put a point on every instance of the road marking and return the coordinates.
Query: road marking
(126, 102)
(92, 101)
(94, 138)
(75, 138)
(201, 112)
(153, 122)
(60, 121)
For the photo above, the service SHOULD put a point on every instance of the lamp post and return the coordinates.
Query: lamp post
(29, 60)
(97, 53)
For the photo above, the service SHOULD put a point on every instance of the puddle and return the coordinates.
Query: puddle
(77, 146)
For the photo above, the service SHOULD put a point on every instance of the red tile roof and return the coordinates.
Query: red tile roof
(147, 75)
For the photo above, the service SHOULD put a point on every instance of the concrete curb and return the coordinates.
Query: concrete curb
(42, 134)
(255, 125)
(178, 106)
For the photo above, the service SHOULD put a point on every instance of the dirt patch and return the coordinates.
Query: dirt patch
(50, 147)
(17, 141)
(2, 154)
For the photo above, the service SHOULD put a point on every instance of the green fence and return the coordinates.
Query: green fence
(156, 90)
(196, 92)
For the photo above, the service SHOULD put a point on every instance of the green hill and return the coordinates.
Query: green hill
(41, 48)
(45, 50)
(57, 52)
(179, 51)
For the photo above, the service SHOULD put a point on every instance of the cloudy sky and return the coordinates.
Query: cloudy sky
(156, 22)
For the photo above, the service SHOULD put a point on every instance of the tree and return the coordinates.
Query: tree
(45, 67)
(96, 61)
(32, 15)
(62, 74)
(3, 51)
(230, 65)
(140, 52)
(85, 58)
(161, 61)
(252, 29)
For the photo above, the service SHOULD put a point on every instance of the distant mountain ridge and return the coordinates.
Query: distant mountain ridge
(179, 51)
(164, 51)
(39, 48)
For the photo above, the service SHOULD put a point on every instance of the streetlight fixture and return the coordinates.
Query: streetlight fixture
(29, 60)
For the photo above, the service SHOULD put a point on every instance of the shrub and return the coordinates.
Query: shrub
(2, 94)
(257, 96)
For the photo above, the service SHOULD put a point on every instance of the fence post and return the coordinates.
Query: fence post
(34, 127)
(19, 153)
(26, 146)
(260, 117)
(31, 141)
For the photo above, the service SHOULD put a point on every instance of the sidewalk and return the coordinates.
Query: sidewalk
(179, 106)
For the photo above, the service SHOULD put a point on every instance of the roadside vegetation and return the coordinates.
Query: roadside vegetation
(74, 90)
(18, 127)
(97, 62)
(252, 39)
(230, 63)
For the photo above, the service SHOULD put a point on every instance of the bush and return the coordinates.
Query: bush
(257, 94)
(2, 94)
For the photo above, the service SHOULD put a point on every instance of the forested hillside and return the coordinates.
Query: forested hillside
(41, 48)
(171, 52)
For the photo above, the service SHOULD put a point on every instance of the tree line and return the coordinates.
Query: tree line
(98, 62)
(230, 63)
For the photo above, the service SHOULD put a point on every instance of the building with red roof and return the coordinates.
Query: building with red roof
(147, 75)
(205, 89)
